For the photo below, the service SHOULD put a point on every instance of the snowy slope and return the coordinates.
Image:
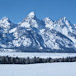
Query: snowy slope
(33, 34)
(68, 29)
(65, 27)
(56, 40)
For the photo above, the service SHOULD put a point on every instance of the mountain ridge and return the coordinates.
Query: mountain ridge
(33, 34)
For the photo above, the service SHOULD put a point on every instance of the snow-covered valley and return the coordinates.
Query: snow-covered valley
(48, 69)
(40, 69)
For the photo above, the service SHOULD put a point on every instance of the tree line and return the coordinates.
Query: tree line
(34, 60)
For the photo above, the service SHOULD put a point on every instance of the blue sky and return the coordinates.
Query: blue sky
(17, 10)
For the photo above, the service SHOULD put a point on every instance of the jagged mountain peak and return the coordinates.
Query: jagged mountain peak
(48, 22)
(64, 18)
(48, 19)
(30, 21)
(63, 21)
(5, 23)
(5, 18)
(31, 14)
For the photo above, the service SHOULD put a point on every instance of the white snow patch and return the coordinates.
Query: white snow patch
(31, 14)
(25, 24)
(13, 30)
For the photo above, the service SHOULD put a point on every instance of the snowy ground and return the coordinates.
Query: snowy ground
(42, 55)
(45, 69)
(48, 69)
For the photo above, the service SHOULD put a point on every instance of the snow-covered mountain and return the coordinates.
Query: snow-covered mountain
(33, 34)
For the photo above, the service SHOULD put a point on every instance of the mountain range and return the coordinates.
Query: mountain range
(35, 35)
